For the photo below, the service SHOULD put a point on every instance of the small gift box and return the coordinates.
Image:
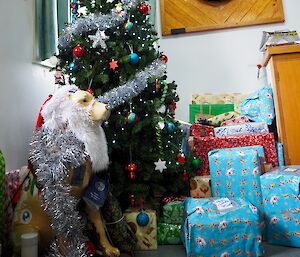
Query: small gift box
(198, 111)
(146, 233)
(173, 212)
(235, 172)
(242, 129)
(221, 227)
(222, 98)
(259, 106)
(168, 234)
(200, 187)
(218, 119)
(280, 190)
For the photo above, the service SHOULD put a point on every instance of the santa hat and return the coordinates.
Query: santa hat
(40, 120)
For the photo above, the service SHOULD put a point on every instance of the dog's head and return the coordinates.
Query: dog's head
(75, 110)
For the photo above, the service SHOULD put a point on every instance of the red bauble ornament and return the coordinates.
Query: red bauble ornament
(131, 175)
(145, 8)
(132, 167)
(78, 51)
(180, 158)
(91, 248)
(185, 176)
(164, 58)
(173, 105)
(90, 91)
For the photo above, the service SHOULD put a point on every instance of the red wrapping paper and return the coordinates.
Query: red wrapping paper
(199, 130)
(202, 145)
(169, 199)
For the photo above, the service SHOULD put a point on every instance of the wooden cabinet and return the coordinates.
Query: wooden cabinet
(283, 69)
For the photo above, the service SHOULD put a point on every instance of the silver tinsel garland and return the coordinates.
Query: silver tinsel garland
(96, 21)
(130, 89)
(52, 154)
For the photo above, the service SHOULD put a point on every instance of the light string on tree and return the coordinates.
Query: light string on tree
(164, 94)
(96, 21)
(119, 95)
(158, 139)
(52, 171)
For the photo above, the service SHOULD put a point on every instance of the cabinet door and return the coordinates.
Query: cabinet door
(286, 74)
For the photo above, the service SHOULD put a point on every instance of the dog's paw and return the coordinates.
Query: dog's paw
(111, 252)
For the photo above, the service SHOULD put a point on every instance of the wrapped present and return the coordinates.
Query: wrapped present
(221, 227)
(235, 172)
(168, 234)
(223, 98)
(173, 212)
(237, 120)
(280, 189)
(242, 129)
(202, 145)
(280, 155)
(199, 130)
(259, 106)
(13, 182)
(147, 233)
(219, 119)
(208, 110)
(200, 187)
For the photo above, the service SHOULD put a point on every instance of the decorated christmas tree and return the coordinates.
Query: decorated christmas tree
(112, 51)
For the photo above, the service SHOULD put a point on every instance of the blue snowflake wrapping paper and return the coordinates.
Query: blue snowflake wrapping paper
(280, 155)
(242, 129)
(259, 106)
(235, 172)
(209, 232)
(280, 189)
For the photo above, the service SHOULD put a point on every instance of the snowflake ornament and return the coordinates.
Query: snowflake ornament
(99, 39)
(160, 165)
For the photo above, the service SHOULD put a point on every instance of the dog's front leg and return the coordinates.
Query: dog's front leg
(96, 218)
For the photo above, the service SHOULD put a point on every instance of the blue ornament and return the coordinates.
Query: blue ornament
(128, 25)
(73, 67)
(142, 219)
(134, 58)
(170, 127)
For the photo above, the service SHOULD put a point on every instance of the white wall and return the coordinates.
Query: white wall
(221, 60)
(24, 86)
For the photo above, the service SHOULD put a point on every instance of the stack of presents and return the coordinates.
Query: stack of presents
(243, 194)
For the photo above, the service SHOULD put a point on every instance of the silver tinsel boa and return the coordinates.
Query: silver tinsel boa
(52, 154)
(130, 89)
(96, 21)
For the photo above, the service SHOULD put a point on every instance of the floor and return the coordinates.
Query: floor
(179, 251)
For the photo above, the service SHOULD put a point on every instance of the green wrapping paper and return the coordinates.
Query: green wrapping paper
(168, 234)
(2, 195)
(210, 109)
(173, 212)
